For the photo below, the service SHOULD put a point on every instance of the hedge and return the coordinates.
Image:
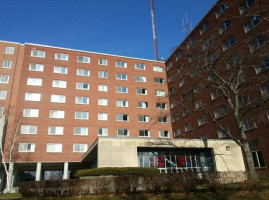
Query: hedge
(117, 171)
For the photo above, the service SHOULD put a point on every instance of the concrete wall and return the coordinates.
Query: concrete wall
(122, 152)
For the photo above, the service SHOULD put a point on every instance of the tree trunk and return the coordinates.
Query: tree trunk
(9, 184)
(249, 160)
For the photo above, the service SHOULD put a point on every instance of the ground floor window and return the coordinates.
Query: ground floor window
(258, 159)
(177, 160)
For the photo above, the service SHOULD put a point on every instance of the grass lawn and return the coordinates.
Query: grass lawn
(10, 196)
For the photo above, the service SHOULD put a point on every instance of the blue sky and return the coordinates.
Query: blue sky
(120, 27)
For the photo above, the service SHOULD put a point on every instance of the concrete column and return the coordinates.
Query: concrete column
(38, 171)
(65, 175)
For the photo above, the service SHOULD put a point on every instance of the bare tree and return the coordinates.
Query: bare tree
(232, 69)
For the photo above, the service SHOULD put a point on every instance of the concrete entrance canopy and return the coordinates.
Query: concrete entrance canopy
(123, 152)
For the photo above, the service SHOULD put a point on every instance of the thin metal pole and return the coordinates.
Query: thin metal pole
(154, 30)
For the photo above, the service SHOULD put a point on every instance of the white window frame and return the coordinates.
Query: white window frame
(124, 130)
(157, 68)
(177, 132)
(144, 104)
(102, 102)
(102, 88)
(122, 103)
(61, 56)
(82, 100)
(164, 133)
(38, 53)
(9, 50)
(219, 112)
(59, 84)
(36, 67)
(102, 61)
(80, 115)
(187, 127)
(32, 96)
(122, 89)
(141, 91)
(142, 79)
(122, 64)
(54, 148)
(4, 79)
(83, 72)
(28, 130)
(143, 118)
(145, 133)
(26, 147)
(103, 116)
(60, 70)
(82, 131)
(34, 81)
(102, 74)
(121, 118)
(7, 64)
(57, 114)
(55, 98)
(32, 112)
(102, 131)
(160, 93)
(140, 66)
(83, 59)
(121, 76)
(81, 86)
(59, 130)
(162, 119)
(82, 148)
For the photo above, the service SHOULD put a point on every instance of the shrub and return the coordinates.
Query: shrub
(117, 171)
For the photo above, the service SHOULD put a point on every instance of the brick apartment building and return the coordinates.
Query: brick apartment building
(73, 109)
(230, 42)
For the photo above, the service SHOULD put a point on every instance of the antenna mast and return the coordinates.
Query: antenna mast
(154, 30)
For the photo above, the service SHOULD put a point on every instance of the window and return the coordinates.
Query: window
(27, 112)
(179, 69)
(142, 104)
(222, 133)
(121, 64)
(80, 131)
(32, 96)
(179, 55)
(190, 42)
(175, 118)
(122, 117)
(103, 116)
(181, 82)
(201, 121)
(215, 94)
(54, 148)
(185, 111)
(243, 100)
(228, 43)
(170, 78)
(38, 53)
(173, 105)
(56, 130)
(207, 43)
(143, 118)
(141, 91)
(223, 27)
(254, 21)
(233, 60)
(102, 61)
(140, 78)
(123, 132)
(103, 131)
(258, 42)
(169, 66)
(102, 102)
(121, 89)
(82, 86)
(161, 106)
(60, 70)
(80, 148)
(221, 9)
(9, 50)
(162, 119)
(246, 5)
(258, 159)
(1, 111)
(171, 91)
(57, 98)
(160, 93)
(102, 88)
(247, 126)
(262, 65)
(59, 84)
(193, 73)
(177, 132)
(81, 115)
(265, 89)
(157, 68)
(28, 129)
(219, 112)
(120, 76)
(84, 59)
(192, 57)
(164, 133)
(61, 56)
(140, 66)
(122, 103)
(102, 74)
(198, 104)
(144, 133)
(4, 79)
(26, 147)
(196, 88)
(82, 100)
(36, 67)
(204, 28)
(187, 127)
(7, 64)
(57, 114)
(184, 96)
(83, 72)
(34, 81)
(158, 80)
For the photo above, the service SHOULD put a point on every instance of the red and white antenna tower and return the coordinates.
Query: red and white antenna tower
(154, 30)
